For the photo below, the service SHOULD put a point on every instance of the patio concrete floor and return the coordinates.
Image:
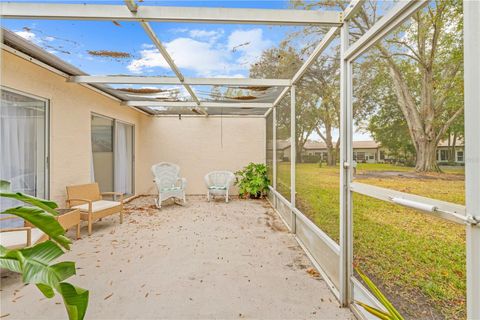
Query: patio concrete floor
(203, 260)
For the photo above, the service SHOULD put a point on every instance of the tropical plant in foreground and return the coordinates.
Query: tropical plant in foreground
(391, 313)
(252, 180)
(36, 263)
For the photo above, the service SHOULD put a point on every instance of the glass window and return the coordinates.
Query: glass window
(112, 147)
(23, 145)
(460, 156)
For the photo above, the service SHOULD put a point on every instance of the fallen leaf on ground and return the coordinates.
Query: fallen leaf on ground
(313, 272)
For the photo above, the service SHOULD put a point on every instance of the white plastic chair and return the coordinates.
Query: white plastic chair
(219, 183)
(168, 182)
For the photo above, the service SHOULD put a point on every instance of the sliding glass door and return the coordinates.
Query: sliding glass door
(102, 148)
(112, 154)
(23, 144)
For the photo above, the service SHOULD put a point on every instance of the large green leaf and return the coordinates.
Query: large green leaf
(44, 252)
(10, 264)
(46, 290)
(64, 270)
(36, 272)
(47, 205)
(75, 299)
(42, 220)
(34, 264)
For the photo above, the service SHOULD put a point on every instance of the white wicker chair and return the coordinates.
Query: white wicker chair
(168, 182)
(218, 183)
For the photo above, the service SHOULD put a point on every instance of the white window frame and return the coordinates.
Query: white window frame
(46, 137)
(115, 121)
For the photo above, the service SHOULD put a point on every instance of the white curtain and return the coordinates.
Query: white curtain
(123, 158)
(22, 145)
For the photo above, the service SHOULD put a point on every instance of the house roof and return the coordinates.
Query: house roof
(444, 143)
(368, 144)
(313, 145)
(319, 145)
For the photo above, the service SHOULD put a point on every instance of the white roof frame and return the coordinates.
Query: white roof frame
(176, 81)
(191, 104)
(143, 14)
(58, 11)
(132, 6)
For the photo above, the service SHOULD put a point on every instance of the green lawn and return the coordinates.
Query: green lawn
(417, 260)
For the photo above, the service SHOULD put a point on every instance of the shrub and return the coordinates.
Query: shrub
(252, 180)
(36, 263)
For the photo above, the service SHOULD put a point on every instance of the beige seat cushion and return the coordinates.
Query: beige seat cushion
(98, 205)
(18, 239)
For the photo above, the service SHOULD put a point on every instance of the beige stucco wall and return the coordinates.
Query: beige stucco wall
(199, 145)
(193, 143)
(71, 106)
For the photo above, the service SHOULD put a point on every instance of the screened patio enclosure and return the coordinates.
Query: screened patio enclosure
(344, 212)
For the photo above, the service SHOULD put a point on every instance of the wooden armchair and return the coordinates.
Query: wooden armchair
(20, 237)
(88, 199)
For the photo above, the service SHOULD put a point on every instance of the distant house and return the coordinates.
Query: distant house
(443, 152)
(365, 152)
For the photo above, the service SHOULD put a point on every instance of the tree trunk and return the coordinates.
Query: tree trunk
(426, 156)
(331, 155)
(299, 156)
(453, 146)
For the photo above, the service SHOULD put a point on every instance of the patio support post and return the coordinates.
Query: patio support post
(471, 12)
(274, 172)
(346, 221)
(293, 153)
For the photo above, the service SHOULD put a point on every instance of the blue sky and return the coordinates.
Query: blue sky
(203, 50)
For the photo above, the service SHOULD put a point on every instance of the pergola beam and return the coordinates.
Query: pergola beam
(192, 104)
(353, 8)
(327, 39)
(311, 59)
(385, 25)
(57, 11)
(175, 81)
(132, 5)
(133, 8)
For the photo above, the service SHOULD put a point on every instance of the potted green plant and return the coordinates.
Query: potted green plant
(36, 263)
(252, 180)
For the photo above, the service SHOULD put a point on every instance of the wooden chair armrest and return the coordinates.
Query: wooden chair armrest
(27, 229)
(80, 200)
(15, 229)
(113, 193)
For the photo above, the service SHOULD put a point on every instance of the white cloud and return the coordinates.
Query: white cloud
(148, 46)
(206, 54)
(249, 43)
(48, 38)
(178, 30)
(187, 53)
(27, 35)
(211, 35)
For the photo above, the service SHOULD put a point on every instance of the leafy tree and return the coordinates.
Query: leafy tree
(323, 85)
(316, 97)
(424, 63)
